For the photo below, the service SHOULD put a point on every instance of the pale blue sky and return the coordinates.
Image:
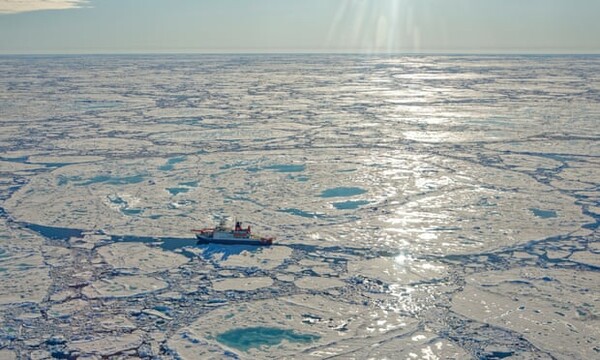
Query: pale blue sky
(366, 26)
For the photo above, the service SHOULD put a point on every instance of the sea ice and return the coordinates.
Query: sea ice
(123, 286)
(553, 309)
(139, 258)
(424, 206)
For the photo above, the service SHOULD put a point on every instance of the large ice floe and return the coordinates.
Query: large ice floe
(425, 207)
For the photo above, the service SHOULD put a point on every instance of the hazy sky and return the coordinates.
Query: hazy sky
(369, 26)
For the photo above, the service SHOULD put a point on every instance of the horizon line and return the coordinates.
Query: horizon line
(349, 52)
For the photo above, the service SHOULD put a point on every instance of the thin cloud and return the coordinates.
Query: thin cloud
(18, 6)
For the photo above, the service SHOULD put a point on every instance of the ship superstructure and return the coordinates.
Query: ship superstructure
(223, 234)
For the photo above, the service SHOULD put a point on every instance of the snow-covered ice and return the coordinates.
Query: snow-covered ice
(424, 206)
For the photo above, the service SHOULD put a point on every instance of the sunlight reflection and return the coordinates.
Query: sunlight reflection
(385, 26)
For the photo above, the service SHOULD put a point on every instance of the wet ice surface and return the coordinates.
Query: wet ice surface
(425, 207)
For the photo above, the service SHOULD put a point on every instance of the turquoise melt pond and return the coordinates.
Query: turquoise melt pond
(175, 191)
(255, 337)
(350, 204)
(544, 214)
(342, 192)
(171, 163)
(286, 168)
